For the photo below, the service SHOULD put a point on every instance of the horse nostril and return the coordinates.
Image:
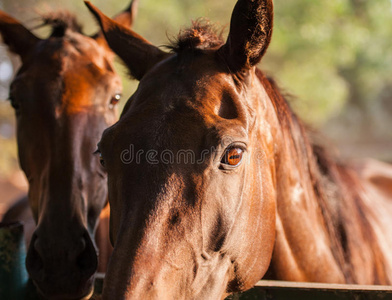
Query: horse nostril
(87, 259)
(37, 247)
(77, 249)
(82, 244)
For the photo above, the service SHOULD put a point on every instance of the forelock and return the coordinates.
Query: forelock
(200, 36)
(61, 21)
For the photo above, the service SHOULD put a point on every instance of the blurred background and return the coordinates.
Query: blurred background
(334, 57)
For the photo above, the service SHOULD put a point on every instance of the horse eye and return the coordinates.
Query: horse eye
(233, 157)
(101, 160)
(114, 100)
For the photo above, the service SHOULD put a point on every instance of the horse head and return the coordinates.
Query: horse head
(64, 96)
(190, 162)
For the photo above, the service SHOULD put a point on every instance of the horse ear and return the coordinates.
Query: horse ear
(125, 18)
(250, 34)
(136, 52)
(19, 39)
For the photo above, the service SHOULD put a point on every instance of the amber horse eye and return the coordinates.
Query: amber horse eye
(233, 157)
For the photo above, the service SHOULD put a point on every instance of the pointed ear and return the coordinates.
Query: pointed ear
(18, 38)
(136, 52)
(250, 34)
(125, 18)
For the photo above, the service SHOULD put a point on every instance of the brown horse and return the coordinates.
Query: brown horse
(213, 180)
(64, 96)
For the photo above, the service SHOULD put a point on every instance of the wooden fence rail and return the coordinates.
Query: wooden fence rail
(284, 290)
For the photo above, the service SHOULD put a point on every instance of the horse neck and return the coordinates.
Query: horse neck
(300, 224)
(322, 211)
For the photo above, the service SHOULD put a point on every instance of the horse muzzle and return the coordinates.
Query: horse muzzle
(62, 270)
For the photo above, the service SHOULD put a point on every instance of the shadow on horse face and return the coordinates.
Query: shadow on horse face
(188, 163)
(64, 96)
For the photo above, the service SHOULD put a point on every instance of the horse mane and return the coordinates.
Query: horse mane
(202, 35)
(61, 21)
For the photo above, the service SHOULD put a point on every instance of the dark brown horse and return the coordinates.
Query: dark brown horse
(64, 96)
(213, 180)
